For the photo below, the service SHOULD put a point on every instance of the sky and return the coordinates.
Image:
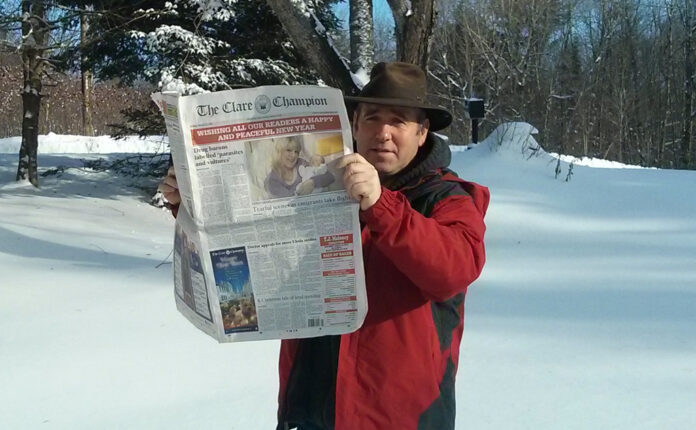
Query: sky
(583, 317)
(380, 12)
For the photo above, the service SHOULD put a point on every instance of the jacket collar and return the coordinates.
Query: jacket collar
(433, 155)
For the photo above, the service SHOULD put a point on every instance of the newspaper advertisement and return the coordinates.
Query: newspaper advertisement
(267, 242)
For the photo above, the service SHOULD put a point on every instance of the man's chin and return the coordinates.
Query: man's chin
(384, 169)
(382, 163)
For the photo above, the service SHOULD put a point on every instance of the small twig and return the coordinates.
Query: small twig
(100, 248)
(164, 261)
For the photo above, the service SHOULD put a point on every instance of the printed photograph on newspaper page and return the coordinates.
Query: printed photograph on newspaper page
(267, 242)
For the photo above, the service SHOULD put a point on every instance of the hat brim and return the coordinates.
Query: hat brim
(439, 117)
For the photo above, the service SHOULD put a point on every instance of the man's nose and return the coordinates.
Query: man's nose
(384, 133)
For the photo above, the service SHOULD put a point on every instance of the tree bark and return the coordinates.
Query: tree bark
(361, 35)
(668, 77)
(34, 38)
(87, 80)
(414, 22)
(689, 71)
(313, 44)
(28, 151)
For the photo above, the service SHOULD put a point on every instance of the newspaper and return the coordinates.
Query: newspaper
(267, 242)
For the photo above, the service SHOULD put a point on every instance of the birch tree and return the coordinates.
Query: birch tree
(86, 75)
(362, 50)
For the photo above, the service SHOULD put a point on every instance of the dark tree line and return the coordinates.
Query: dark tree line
(602, 78)
(62, 102)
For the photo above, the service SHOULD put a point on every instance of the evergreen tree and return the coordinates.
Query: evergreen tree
(196, 45)
(190, 46)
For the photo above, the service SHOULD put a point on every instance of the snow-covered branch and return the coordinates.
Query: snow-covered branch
(313, 43)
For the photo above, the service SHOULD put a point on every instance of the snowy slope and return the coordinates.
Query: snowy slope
(62, 144)
(583, 318)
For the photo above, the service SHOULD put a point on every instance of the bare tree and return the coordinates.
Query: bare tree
(413, 22)
(688, 106)
(87, 78)
(667, 76)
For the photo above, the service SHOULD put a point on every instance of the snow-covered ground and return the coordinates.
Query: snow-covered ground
(584, 317)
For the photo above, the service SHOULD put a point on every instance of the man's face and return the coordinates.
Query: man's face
(388, 136)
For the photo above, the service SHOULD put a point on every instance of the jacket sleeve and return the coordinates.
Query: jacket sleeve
(442, 254)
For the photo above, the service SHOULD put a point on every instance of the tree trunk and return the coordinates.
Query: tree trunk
(34, 37)
(361, 35)
(313, 44)
(413, 22)
(28, 151)
(668, 77)
(87, 80)
(688, 100)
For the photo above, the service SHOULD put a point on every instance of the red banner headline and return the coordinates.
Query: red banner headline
(265, 128)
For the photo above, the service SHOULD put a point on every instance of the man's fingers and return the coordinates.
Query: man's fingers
(170, 188)
(357, 177)
(171, 181)
(350, 159)
(173, 197)
(361, 180)
(356, 168)
(359, 189)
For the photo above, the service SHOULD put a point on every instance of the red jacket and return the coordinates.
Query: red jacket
(422, 248)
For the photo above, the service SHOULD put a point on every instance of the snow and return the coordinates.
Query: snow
(595, 162)
(171, 84)
(65, 144)
(302, 7)
(360, 77)
(583, 317)
(167, 36)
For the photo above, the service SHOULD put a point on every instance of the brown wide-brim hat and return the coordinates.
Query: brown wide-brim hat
(400, 84)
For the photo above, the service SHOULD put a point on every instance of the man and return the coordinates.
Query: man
(422, 246)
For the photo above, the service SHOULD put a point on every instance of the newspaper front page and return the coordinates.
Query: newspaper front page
(267, 243)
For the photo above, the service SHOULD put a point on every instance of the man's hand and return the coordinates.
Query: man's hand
(305, 188)
(170, 188)
(361, 180)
